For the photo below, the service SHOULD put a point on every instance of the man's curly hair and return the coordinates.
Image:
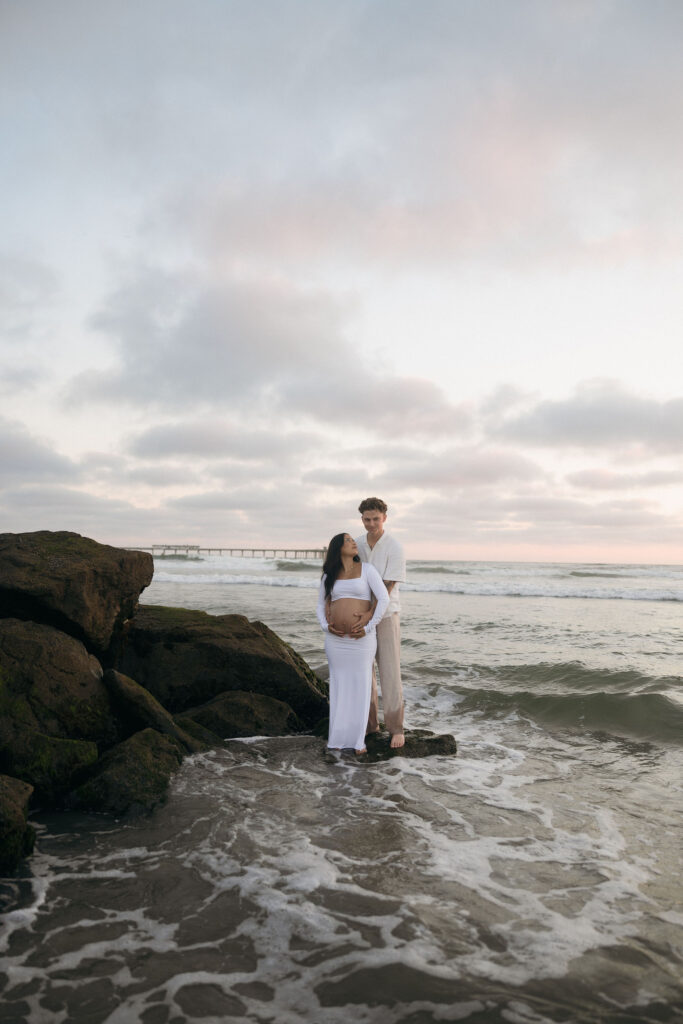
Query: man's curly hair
(372, 505)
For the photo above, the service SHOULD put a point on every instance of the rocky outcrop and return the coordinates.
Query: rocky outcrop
(132, 777)
(236, 714)
(73, 735)
(186, 658)
(16, 836)
(61, 579)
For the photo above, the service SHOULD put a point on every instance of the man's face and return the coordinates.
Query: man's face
(374, 521)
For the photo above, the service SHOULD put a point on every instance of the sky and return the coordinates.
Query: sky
(261, 260)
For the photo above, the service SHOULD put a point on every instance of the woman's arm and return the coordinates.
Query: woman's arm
(321, 608)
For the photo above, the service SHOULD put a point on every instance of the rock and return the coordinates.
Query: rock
(186, 658)
(50, 764)
(62, 579)
(16, 836)
(419, 743)
(246, 714)
(136, 709)
(210, 740)
(55, 712)
(131, 778)
(49, 682)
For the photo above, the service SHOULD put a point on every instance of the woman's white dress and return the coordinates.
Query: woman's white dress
(351, 660)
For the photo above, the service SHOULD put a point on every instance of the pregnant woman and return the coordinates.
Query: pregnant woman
(346, 615)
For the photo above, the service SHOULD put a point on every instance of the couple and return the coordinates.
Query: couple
(358, 608)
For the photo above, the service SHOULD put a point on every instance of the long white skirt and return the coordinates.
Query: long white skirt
(350, 685)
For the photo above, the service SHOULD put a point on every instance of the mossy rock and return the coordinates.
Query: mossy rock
(16, 836)
(418, 743)
(71, 582)
(132, 777)
(136, 709)
(239, 714)
(49, 764)
(185, 658)
(49, 682)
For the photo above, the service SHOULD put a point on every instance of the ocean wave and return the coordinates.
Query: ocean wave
(425, 567)
(574, 677)
(234, 579)
(283, 566)
(655, 717)
(308, 576)
(507, 589)
(602, 575)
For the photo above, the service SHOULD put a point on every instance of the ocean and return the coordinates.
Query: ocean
(533, 878)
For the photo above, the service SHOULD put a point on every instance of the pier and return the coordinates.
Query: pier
(196, 551)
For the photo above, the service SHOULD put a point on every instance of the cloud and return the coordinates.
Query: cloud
(24, 457)
(181, 342)
(600, 414)
(540, 518)
(271, 351)
(17, 379)
(26, 285)
(209, 439)
(608, 480)
(375, 404)
(475, 131)
(66, 508)
(462, 468)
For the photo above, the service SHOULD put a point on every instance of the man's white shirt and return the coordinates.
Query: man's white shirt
(388, 558)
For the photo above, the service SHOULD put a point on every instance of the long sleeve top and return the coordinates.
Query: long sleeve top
(364, 586)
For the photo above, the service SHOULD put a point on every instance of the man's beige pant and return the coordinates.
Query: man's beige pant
(389, 664)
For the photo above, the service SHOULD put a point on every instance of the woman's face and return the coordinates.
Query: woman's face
(349, 547)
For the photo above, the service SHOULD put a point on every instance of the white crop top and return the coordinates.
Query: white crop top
(364, 586)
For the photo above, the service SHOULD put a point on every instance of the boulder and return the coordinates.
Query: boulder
(132, 777)
(62, 579)
(49, 683)
(136, 708)
(186, 658)
(238, 713)
(55, 712)
(16, 836)
(50, 764)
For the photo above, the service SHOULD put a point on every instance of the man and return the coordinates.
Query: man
(386, 554)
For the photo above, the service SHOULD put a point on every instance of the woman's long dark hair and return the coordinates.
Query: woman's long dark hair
(332, 565)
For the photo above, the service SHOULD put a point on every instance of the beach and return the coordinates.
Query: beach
(534, 877)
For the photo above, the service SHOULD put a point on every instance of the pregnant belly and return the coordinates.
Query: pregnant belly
(344, 612)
